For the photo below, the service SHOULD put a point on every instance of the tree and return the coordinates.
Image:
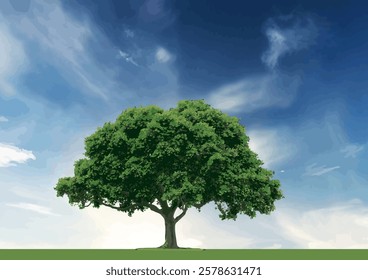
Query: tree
(169, 161)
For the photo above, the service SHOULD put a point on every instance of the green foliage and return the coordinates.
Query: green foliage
(184, 157)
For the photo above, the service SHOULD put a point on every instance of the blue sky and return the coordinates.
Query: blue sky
(293, 72)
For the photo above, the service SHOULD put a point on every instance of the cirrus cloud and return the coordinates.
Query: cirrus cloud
(314, 170)
(352, 150)
(12, 60)
(254, 93)
(33, 207)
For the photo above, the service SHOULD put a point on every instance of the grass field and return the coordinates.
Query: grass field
(183, 254)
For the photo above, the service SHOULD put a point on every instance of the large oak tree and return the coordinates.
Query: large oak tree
(169, 161)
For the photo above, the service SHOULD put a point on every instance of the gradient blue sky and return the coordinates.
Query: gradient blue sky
(294, 72)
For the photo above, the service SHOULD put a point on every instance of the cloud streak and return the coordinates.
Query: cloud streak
(352, 150)
(127, 58)
(314, 170)
(254, 93)
(11, 155)
(12, 60)
(33, 207)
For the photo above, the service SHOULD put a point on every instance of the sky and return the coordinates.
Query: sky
(293, 72)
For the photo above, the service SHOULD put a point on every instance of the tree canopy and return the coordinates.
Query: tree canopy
(172, 160)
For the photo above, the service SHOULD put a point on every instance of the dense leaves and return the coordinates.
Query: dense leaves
(161, 160)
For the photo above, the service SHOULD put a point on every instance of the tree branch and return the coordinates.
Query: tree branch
(84, 205)
(154, 208)
(163, 204)
(133, 207)
(119, 208)
(177, 219)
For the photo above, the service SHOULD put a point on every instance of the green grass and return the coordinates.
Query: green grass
(183, 254)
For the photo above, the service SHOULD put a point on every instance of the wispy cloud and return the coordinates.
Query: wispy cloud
(33, 207)
(11, 155)
(277, 47)
(162, 55)
(339, 227)
(72, 46)
(239, 96)
(272, 88)
(127, 57)
(253, 93)
(12, 59)
(352, 150)
(299, 34)
(3, 119)
(273, 146)
(64, 40)
(315, 170)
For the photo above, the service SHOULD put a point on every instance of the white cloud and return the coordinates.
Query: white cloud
(343, 226)
(127, 58)
(314, 170)
(11, 155)
(299, 35)
(3, 119)
(12, 60)
(254, 93)
(33, 207)
(277, 47)
(162, 55)
(273, 146)
(352, 150)
(243, 95)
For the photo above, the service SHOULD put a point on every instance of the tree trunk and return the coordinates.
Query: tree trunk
(170, 234)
